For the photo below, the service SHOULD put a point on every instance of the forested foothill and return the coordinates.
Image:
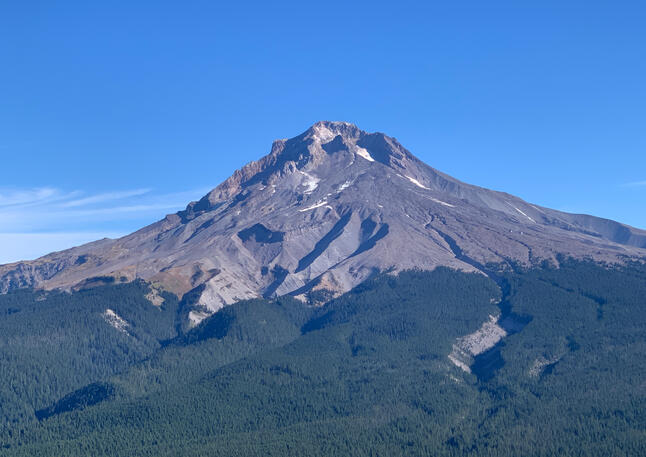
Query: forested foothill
(365, 374)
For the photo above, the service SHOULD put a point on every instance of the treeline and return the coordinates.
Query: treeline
(368, 375)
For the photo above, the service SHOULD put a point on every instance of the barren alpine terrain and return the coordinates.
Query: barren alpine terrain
(322, 212)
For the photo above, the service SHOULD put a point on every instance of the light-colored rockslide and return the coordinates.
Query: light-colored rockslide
(474, 344)
(325, 210)
(541, 363)
(116, 321)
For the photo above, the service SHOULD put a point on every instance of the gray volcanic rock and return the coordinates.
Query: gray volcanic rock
(324, 210)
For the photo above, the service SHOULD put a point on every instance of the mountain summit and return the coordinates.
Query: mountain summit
(318, 215)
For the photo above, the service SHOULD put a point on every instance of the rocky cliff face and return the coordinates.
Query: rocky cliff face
(323, 211)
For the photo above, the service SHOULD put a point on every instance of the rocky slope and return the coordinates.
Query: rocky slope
(323, 211)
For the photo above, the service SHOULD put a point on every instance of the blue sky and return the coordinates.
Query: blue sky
(113, 114)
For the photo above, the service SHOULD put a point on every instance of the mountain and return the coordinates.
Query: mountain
(317, 216)
(391, 310)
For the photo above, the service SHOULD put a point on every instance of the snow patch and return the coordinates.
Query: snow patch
(316, 205)
(310, 182)
(116, 321)
(521, 212)
(362, 152)
(344, 186)
(322, 134)
(422, 186)
(442, 203)
(417, 183)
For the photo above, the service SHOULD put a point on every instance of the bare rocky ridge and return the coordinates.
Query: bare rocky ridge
(323, 211)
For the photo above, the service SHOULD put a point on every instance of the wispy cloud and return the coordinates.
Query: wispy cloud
(105, 197)
(36, 221)
(16, 197)
(635, 184)
(50, 203)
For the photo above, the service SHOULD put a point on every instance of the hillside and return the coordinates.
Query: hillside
(321, 213)
(371, 374)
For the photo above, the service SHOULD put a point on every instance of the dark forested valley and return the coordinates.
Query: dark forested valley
(103, 371)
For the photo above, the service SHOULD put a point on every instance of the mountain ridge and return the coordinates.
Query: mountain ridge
(322, 212)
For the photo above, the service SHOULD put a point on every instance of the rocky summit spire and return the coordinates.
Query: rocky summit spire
(325, 144)
(321, 212)
(326, 131)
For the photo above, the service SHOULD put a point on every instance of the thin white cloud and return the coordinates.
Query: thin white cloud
(635, 184)
(37, 221)
(27, 196)
(54, 210)
(105, 197)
